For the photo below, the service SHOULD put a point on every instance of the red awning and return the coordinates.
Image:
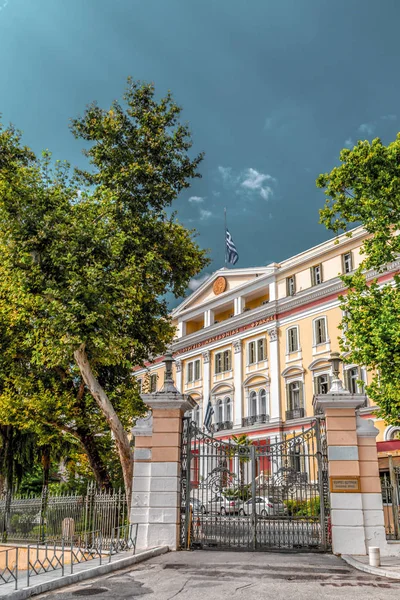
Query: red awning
(388, 446)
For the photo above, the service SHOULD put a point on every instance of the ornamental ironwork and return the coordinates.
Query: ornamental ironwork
(256, 495)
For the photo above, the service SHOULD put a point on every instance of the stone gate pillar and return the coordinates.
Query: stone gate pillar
(156, 474)
(355, 492)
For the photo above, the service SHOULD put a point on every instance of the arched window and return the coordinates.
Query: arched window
(228, 409)
(220, 412)
(262, 394)
(253, 404)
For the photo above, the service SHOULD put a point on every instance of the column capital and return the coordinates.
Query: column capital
(163, 400)
(273, 334)
(237, 346)
(206, 356)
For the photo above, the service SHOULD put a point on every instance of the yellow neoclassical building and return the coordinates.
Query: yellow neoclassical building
(257, 341)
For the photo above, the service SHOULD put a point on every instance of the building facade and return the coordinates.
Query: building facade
(257, 342)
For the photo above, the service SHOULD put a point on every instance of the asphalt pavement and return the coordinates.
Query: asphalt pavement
(214, 575)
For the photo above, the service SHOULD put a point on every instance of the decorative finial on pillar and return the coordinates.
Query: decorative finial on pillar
(168, 379)
(337, 384)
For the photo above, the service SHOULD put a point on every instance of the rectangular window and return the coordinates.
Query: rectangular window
(193, 371)
(197, 370)
(153, 383)
(320, 331)
(293, 339)
(322, 384)
(291, 285)
(347, 262)
(257, 351)
(261, 354)
(252, 353)
(352, 376)
(316, 275)
(223, 361)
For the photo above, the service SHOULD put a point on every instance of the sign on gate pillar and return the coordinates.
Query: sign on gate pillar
(156, 475)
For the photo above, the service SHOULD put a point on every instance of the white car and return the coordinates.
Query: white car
(265, 507)
(223, 505)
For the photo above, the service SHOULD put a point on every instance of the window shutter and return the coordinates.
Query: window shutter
(288, 398)
(295, 339)
(216, 363)
(312, 276)
(301, 395)
(346, 379)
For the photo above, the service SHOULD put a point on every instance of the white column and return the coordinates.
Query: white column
(238, 383)
(206, 381)
(272, 291)
(238, 305)
(275, 405)
(178, 364)
(208, 318)
(181, 329)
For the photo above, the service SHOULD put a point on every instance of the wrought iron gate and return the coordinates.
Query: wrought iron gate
(255, 495)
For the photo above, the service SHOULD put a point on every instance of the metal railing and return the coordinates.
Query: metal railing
(296, 413)
(63, 557)
(222, 426)
(254, 419)
(390, 486)
(57, 517)
(9, 570)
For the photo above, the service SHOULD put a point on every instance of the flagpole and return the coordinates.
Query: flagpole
(225, 234)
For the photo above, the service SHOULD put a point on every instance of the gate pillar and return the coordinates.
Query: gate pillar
(157, 469)
(357, 517)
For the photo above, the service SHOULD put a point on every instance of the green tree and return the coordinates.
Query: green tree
(87, 260)
(365, 189)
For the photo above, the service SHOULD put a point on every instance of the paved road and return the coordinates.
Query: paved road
(229, 575)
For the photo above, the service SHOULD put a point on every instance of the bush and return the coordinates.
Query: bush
(303, 508)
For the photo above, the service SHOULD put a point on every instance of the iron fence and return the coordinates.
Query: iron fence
(61, 517)
(62, 557)
(390, 486)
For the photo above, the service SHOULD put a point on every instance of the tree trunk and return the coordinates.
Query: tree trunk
(103, 402)
(96, 463)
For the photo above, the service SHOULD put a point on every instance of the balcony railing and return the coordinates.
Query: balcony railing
(296, 413)
(254, 419)
(221, 426)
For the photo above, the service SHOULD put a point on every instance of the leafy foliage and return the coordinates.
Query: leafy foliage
(365, 189)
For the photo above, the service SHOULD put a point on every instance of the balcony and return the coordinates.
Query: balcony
(221, 426)
(255, 419)
(296, 413)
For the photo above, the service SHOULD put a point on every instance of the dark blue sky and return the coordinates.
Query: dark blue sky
(272, 89)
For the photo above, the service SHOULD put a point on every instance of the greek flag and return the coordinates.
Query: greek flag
(208, 416)
(231, 252)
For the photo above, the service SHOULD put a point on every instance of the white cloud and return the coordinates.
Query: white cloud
(367, 128)
(196, 283)
(349, 143)
(4, 4)
(205, 214)
(196, 199)
(248, 182)
(226, 173)
(389, 117)
(256, 182)
(216, 194)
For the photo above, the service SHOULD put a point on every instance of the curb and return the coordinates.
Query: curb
(379, 571)
(67, 580)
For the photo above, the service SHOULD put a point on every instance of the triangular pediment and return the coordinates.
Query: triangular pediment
(219, 285)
